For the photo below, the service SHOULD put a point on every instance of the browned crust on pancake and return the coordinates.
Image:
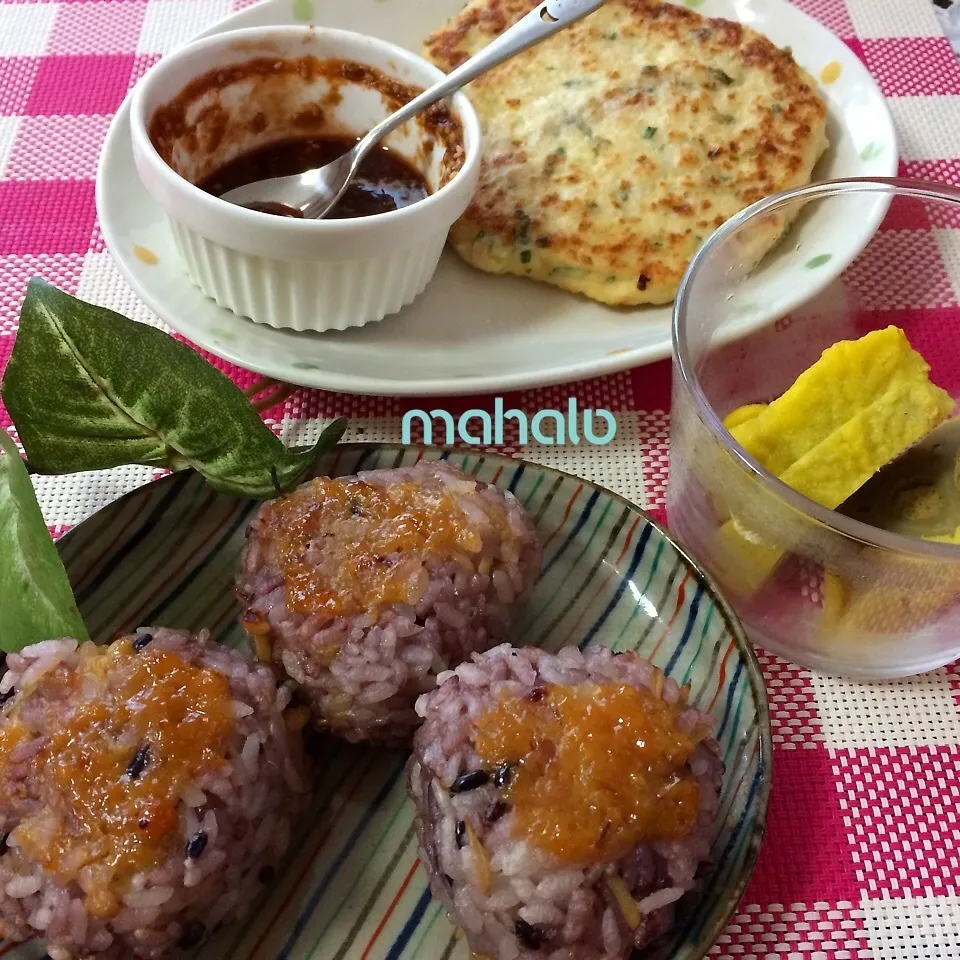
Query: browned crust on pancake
(707, 184)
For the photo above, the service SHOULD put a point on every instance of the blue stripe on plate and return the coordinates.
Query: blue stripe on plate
(687, 629)
(416, 915)
(571, 536)
(627, 578)
(734, 683)
(143, 531)
(335, 865)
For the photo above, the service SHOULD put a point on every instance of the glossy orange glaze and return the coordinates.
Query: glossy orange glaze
(363, 525)
(598, 769)
(101, 824)
(11, 735)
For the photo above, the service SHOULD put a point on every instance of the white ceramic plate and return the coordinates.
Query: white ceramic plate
(472, 332)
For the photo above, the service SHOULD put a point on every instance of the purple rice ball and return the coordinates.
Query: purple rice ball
(364, 588)
(505, 883)
(146, 792)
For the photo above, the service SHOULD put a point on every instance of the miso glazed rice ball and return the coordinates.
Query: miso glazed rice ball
(364, 588)
(564, 802)
(146, 791)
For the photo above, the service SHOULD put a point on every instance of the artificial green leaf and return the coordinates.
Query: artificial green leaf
(37, 600)
(89, 389)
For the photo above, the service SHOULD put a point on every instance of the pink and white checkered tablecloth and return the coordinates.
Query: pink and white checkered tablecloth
(862, 857)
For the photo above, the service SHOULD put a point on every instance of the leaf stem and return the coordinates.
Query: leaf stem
(258, 386)
(278, 395)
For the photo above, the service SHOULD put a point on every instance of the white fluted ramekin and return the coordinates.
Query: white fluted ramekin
(286, 272)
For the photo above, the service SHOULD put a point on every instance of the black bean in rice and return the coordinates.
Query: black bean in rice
(515, 899)
(102, 853)
(365, 588)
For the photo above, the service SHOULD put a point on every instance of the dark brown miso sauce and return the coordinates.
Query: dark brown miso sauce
(384, 182)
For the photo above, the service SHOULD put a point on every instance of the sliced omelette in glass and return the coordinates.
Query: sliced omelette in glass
(859, 407)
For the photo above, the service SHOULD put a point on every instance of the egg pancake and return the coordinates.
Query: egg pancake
(613, 149)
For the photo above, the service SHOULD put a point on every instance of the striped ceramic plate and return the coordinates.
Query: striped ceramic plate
(353, 888)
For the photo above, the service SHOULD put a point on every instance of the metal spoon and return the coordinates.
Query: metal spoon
(315, 192)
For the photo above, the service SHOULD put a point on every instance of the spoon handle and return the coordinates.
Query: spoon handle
(543, 21)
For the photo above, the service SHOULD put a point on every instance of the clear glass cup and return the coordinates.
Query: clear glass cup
(817, 586)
